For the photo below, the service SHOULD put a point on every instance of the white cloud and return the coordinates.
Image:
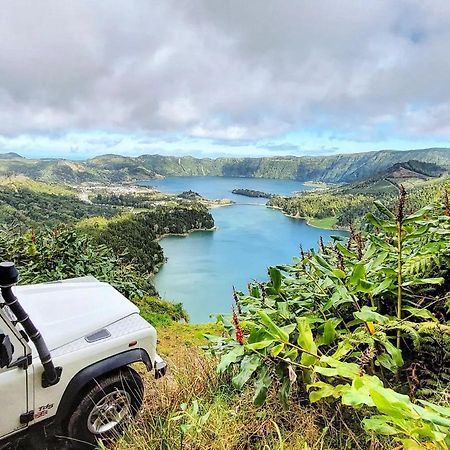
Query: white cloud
(229, 71)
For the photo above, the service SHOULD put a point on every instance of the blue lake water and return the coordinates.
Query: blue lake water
(221, 187)
(202, 268)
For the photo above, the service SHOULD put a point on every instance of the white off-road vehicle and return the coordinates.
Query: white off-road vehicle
(65, 355)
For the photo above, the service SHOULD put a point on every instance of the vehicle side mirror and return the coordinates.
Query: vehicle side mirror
(6, 351)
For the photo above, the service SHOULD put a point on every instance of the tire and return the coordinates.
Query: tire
(105, 409)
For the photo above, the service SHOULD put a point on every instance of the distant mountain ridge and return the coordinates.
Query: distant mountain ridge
(342, 168)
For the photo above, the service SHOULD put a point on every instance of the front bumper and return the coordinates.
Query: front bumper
(160, 367)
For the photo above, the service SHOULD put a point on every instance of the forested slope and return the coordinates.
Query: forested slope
(114, 168)
(348, 204)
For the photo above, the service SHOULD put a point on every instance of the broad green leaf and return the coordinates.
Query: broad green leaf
(344, 347)
(371, 250)
(248, 365)
(383, 209)
(326, 371)
(359, 393)
(262, 385)
(411, 444)
(417, 215)
(292, 354)
(289, 328)
(443, 410)
(380, 424)
(359, 271)
(392, 403)
(378, 223)
(345, 251)
(283, 309)
(420, 312)
(272, 328)
(277, 350)
(338, 273)
(343, 369)
(323, 262)
(322, 390)
(275, 276)
(387, 361)
(393, 351)
(365, 286)
(329, 333)
(431, 416)
(230, 358)
(339, 297)
(368, 314)
(305, 341)
(383, 286)
(259, 345)
(417, 281)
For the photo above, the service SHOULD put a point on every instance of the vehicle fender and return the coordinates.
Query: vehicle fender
(97, 370)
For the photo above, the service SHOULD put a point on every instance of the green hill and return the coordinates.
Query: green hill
(344, 168)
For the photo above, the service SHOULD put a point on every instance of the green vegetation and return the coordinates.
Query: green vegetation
(30, 204)
(348, 204)
(251, 193)
(330, 169)
(327, 223)
(134, 236)
(361, 325)
(108, 241)
(195, 408)
(50, 255)
(348, 347)
(22, 182)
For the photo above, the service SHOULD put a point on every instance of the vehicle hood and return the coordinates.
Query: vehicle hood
(68, 310)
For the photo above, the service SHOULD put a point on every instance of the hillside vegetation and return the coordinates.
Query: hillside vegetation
(51, 235)
(346, 205)
(114, 168)
(28, 203)
(347, 348)
(135, 235)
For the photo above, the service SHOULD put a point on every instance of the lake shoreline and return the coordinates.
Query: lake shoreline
(307, 220)
(165, 235)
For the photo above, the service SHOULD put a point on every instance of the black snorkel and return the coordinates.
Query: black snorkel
(8, 278)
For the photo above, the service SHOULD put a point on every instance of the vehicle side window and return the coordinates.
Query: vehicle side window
(6, 350)
(9, 344)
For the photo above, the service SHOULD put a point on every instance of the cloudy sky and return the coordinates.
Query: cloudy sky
(215, 77)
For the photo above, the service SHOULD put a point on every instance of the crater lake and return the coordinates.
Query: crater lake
(202, 268)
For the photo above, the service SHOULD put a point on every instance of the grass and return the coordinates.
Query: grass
(21, 181)
(193, 408)
(327, 222)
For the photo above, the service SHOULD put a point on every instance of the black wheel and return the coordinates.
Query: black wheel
(105, 409)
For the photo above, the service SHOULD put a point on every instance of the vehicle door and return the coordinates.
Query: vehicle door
(13, 379)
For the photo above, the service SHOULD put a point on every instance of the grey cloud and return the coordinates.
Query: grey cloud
(227, 71)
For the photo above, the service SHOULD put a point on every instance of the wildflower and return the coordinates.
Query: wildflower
(322, 245)
(33, 237)
(366, 359)
(302, 253)
(359, 244)
(236, 300)
(401, 204)
(340, 259)
(238, 328)
(263, 293)
(446, 203)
